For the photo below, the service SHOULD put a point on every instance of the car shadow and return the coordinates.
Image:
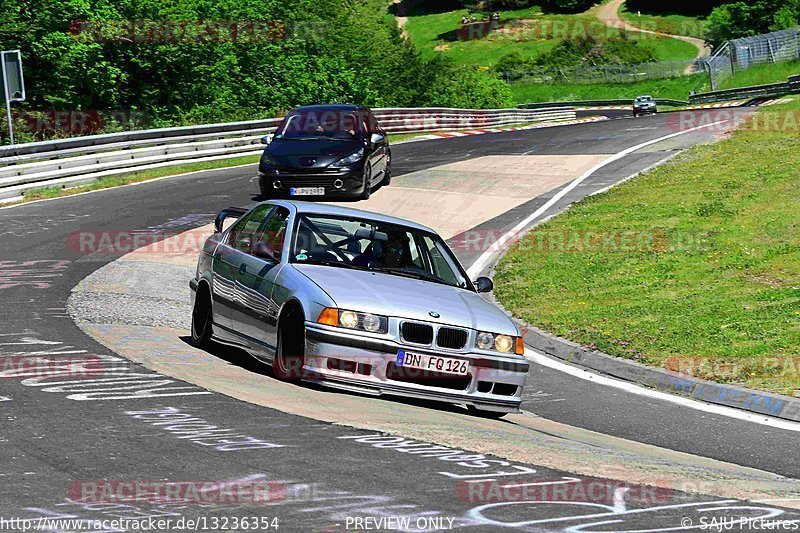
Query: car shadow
(260, 198)
(245, 361)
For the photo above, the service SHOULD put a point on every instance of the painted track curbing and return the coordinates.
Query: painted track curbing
(762, 403)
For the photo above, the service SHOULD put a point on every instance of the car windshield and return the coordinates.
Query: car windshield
(344, 242)
(314, 125)
(644, 99)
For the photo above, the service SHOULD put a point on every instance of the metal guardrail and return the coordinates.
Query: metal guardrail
(80, 160)
(600, 103)
(755, 91)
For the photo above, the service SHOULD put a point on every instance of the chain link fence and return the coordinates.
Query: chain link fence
(733, 56)
(741, 54)
(627, 73)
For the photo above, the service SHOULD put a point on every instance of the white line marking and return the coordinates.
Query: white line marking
(582, 373)
(478, 266)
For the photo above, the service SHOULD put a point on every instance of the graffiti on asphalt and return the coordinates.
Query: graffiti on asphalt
(36, 274)
(200, 431)
(55, 367)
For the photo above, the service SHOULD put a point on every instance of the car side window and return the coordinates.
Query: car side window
(439, 263)
(273, 231)
(241, 235)
(372, 124)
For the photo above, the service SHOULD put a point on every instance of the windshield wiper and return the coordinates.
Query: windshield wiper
(416, 274)
(331, 262)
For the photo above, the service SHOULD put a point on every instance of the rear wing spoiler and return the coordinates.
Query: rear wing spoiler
(230, 212)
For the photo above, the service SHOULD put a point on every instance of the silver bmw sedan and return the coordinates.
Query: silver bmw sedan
(358, 301)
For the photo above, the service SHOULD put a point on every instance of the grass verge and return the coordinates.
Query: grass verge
(673, 24)
(762, 74)
(675, 88)
(534, 34)
(694, 266)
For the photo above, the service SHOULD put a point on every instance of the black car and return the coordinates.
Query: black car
(325, 150)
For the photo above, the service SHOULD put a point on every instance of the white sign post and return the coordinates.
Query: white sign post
(13, 83)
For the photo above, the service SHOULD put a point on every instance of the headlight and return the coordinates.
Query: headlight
(499, 343)
(485, 341)
(268, 160)
(351, 159)
(354, 320)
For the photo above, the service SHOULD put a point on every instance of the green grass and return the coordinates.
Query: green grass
(762, 74)
(672, 24)
(431, 30)
(675, 88)
(712, 285)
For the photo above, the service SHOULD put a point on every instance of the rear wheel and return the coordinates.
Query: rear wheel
(290, 352)
(367, 182)
(201, 318)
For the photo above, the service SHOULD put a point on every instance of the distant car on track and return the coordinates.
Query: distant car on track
(644, 105)
(325, 150)
(359, 301)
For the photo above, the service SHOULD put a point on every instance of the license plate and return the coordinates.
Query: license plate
(434, 363)
(307, 191)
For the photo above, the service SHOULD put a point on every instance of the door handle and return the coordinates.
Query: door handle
(243, 269)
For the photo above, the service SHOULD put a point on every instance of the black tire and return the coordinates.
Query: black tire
(387, 174)
(474, 411)
(289, 354)
(202, 318)
(367, 182)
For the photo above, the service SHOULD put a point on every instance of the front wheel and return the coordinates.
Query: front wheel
(289, 354)
(387, 173)
(201, 319)
(367, 182)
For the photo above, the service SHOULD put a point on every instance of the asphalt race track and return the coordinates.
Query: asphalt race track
(69, 445)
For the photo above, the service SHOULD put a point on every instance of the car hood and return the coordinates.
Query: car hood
(397, 296)
(323, 152)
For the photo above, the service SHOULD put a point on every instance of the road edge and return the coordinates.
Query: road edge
(762, 403)
(679, 384)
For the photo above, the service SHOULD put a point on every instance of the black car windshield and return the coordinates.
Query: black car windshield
(319, 125)
(351, 243)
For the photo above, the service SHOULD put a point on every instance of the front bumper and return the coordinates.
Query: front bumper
(367, 365)
(337, 182)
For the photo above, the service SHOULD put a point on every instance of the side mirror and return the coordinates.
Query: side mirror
(484, 284)
(376, 138)
(231, 212)
(264, 251)
(267, 139)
